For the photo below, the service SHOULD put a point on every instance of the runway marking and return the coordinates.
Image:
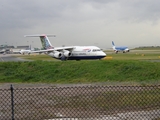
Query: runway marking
(2, 59)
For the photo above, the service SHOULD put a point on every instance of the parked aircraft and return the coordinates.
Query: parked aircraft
(22, 51)
(118, 48)
(70, 52)
(25, 52)
(2, 51)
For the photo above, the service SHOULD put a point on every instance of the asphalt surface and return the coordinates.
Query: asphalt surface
(139, 115)
(10, 57)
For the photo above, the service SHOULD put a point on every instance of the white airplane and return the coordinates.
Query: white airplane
(117, 48)
(3, 51)
(25, 52)
(22, 51)
(70, 52)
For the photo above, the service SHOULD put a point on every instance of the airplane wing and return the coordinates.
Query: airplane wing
(63, 48)
(41, 51)
(55, 49)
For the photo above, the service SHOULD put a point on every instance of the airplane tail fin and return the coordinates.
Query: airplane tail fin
(44, 40)
(113, 43)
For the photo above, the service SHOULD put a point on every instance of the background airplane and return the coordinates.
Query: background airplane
(4, 51)
(70, 52)
(23, 51)
(118, 48)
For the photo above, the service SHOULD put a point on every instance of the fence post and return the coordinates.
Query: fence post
(12, 101)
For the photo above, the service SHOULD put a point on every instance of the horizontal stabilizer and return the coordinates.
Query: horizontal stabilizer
(40, 35)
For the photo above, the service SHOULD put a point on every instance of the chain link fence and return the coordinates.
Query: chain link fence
(81, 103)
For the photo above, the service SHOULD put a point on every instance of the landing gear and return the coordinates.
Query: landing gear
(63, 58)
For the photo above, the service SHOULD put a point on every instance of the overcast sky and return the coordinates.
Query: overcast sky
(81, 22)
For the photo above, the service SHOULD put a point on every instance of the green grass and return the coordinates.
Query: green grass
(137, 66)
(148, 48)
(136, 56)
(80, 71)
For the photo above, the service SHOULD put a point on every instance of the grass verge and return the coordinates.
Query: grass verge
(80, 71)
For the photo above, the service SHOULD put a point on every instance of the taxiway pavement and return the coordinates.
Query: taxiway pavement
(10, 57)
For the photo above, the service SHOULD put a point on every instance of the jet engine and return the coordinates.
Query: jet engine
(66, 53)
(57, 54)
(126, 50)
(116, 51)
(21, 52)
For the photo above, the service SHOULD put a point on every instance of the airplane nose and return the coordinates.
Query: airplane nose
(104, 54)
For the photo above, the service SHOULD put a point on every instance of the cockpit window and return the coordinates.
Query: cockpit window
(95, 50)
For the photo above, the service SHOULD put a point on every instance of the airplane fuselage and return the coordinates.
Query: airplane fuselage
(84, 52)
(121, 48)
